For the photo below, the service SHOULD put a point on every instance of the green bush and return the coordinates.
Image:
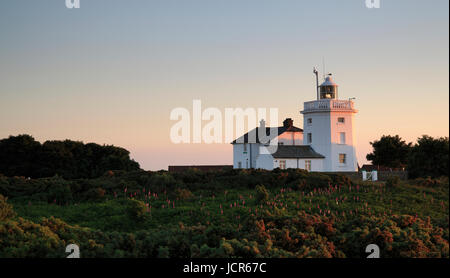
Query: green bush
(163, 252)
(6, 210)
(430, 182)
(262, 194)
(339, 179)
(318, 180)
(137, 210)
(163, 181)
(95, 194)
(183, 194)
(60, 193)
(392, 181)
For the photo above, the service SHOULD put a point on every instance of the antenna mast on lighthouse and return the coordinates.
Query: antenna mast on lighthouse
(317, 82)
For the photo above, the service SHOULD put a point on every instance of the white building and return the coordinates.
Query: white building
(325, 144)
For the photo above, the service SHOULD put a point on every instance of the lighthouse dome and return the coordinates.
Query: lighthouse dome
(329, 81)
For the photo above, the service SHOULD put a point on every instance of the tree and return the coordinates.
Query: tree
(23, 156)
(18, 155)
(389, 151)
(429, 157)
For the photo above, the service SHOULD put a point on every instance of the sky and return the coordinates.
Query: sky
(112, 71)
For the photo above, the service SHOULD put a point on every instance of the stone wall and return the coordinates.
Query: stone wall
(382, 175)
(182, 168)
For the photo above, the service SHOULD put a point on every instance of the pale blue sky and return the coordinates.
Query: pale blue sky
(111, 71)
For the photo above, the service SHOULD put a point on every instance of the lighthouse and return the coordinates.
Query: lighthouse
(325, 144)
(328, 127)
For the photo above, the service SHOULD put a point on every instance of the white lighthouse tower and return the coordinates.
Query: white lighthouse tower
(328, 127)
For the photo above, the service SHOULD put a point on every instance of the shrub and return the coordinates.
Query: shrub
(262, 194)
(59, 192)
(339, 179)
(430, 182)
(301, 184)
(163, 252)
(183, 194)
(137, 210)
(95, 194)
(392, 181)
(318, 180)
(6, 210)
(162, 181)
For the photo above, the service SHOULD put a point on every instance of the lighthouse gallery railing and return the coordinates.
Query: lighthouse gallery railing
(325, 104)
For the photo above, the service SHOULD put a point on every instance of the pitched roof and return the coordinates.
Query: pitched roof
(271, 132)
(289, 151)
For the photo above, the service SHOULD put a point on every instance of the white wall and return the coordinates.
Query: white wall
(316, 163)
(253, 150)
(325, 131)
(348, 148)
(264, 161)
(248, 158)
(321, 137)
(239, 156)
(267, 162)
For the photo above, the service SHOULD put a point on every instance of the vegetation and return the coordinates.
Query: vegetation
(227, 214)
(23, 156)
(6, 210)
(62, 192)
(389, 151)
(428, 157)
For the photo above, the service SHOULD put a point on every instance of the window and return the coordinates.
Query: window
(239, 165)
(309, 121)
(341, 120)
(341, 137)
(245, 148)
(342, 158)
(282, 164)
(308, 165)
(309, 138)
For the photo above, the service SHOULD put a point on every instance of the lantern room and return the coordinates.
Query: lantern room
(328, 89)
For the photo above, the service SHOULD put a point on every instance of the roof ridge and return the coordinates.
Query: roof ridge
(280, 130)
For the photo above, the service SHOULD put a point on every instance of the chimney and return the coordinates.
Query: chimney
(262, 124)
(288, 123)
